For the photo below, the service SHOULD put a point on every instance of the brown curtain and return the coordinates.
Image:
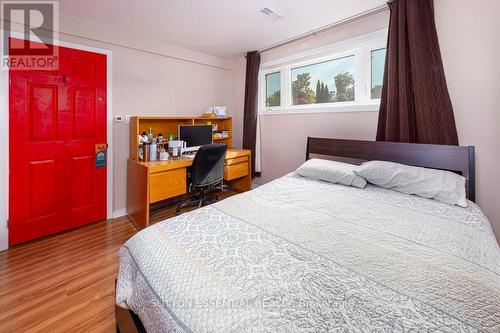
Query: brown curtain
(415, 105)
(250, 110)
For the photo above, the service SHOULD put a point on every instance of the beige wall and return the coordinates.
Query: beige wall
(146, 84)
(469, 38)
(239, 100)
(153, 78)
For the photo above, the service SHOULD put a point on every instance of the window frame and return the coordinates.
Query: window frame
(370, 50)
(265, 90)
(361, 47)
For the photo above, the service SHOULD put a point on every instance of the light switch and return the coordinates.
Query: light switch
(119, 119)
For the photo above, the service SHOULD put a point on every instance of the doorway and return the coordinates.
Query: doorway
(57, 120)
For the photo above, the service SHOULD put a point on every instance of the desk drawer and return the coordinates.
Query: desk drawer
(236, 160)
(236, 170)
(167, 184)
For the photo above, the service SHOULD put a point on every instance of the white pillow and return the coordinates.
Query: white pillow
(331, 171)
(443, 186)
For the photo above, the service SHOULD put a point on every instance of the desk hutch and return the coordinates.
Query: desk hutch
(155, 181)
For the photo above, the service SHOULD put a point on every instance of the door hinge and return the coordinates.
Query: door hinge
(8, 223)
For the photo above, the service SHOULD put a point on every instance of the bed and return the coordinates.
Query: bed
(303, 255)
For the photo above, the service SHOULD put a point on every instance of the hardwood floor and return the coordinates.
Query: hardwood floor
(65, 283)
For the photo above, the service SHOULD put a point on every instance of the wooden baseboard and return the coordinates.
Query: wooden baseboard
(133, 221)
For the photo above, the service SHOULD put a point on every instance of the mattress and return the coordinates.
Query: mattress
(299, 255)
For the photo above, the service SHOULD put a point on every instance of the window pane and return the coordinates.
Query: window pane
(324, 82)
(378, 63)
(273, 89)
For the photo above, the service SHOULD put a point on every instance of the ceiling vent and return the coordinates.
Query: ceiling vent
(270, 14)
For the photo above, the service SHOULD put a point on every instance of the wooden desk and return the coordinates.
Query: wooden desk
(150, 182)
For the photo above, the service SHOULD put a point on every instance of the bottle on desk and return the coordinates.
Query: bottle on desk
(153, 150)
(145, 152)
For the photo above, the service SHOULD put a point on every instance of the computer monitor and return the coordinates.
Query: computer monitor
(195, 136)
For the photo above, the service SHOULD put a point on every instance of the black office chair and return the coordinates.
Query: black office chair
(206, 173)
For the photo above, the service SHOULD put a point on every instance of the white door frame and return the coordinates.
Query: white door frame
(4, 130)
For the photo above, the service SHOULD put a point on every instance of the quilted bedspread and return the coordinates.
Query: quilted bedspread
(298, 255)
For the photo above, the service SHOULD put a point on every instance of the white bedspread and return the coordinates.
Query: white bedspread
(308, 256)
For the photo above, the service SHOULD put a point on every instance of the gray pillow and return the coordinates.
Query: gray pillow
(331, 171)
(443, 186)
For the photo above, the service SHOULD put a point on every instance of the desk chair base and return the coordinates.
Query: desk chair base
(197, 200)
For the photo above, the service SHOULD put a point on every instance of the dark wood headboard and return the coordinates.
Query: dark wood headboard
(459, 159)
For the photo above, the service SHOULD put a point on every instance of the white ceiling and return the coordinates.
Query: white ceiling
(219, 27)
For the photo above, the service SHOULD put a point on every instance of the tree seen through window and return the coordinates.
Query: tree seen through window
(273, 89)
(326, 82)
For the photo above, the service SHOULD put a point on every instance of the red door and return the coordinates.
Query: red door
(56, 120)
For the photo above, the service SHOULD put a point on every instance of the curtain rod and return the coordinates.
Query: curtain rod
(337, 24)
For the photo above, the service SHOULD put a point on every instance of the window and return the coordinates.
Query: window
(345, 76)
(273, 89)
(377, 72)
(325, 82)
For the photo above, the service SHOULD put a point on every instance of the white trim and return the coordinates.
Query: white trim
(360, 47)
(324, 108)
(95, 33)
(109, 132)
(262, 79)
(258, 156)
(75, 46)
(4, 128)
(119, 213)
(4, 162)
(369, 49)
